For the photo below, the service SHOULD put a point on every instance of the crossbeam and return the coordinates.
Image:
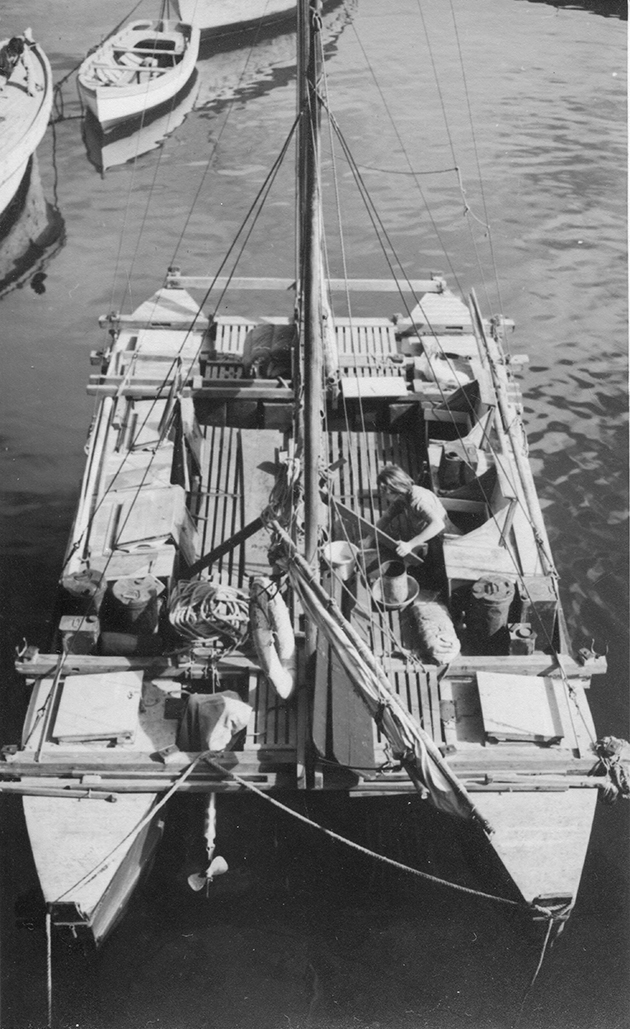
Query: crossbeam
(178, 281)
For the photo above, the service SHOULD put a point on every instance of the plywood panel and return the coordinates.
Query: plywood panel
(519, 707)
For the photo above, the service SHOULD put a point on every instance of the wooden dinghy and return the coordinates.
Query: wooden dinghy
(203, 477)
(24, 116)
(129, 141)
(137, 70)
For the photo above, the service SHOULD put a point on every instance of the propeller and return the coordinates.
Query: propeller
(197, 881)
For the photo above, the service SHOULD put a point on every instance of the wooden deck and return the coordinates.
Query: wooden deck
(238, 467)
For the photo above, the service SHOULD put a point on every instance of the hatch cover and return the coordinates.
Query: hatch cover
(519, 707)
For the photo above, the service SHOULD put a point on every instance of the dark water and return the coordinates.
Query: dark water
(313, 936)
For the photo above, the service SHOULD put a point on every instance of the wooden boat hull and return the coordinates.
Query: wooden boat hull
(25, 119)
(117, 92)
(223, 16)
(71, 839)
(31, 230)
(131, 139)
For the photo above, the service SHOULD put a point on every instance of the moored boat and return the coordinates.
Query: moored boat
(138, 69)
(170, 674)
(128, 141)
(217, 17)
(26, 102)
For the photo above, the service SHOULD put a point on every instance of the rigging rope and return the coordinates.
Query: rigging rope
(107, 860)
(49, 980)
(357, 846)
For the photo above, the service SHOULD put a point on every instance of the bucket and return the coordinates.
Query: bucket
(394, 583)
(342, 558)
(136, 604)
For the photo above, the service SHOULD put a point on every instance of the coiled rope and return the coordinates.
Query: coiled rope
(211, 612)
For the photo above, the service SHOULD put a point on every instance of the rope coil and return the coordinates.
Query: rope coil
(211, 612)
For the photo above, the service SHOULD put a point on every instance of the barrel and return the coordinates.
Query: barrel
(488, 611)
(135, 604)
(451, 469)
(83, 592)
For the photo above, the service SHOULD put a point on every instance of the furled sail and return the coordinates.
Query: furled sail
(410, 744)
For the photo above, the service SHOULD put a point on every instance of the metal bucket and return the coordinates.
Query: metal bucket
(394, 583)
(341, 558)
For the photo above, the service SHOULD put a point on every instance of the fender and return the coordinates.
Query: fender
(272, 634)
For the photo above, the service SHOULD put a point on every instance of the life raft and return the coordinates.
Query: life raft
(272, 634)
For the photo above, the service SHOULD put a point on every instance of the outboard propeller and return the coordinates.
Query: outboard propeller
(197, 881)
(217, 865)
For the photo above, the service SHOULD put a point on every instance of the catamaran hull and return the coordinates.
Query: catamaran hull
(223, 16)
(118, 102)
(71, 838)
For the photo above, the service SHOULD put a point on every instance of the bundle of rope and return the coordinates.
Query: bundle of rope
(210, 612)
(614, 755)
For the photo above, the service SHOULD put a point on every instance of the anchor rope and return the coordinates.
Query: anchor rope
(535, 975)
(49, 978)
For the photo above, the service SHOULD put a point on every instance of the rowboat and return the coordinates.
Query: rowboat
(222, 16)
(24, 117)
(138, 69)
(129, 140)
(241, 608)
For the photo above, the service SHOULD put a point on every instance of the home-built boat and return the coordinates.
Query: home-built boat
(229, 618)
(25, 105)
(138, 69)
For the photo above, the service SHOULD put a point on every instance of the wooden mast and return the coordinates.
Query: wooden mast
(311, 283)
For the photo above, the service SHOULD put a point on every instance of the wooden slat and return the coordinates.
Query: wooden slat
(434, 695)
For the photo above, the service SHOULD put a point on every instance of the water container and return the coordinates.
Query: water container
(487, 615)
(451, 469)
(135, 604)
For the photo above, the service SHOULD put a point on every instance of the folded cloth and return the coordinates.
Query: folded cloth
(212, 720)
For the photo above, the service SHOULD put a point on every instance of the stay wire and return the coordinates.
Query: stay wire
(262, 193)
(208, 163)
(403, 148)
(478, 162)
(376, 220)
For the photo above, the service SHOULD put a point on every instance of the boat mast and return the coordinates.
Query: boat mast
(310, 246)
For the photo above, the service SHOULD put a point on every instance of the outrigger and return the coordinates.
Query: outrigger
(223, 625)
